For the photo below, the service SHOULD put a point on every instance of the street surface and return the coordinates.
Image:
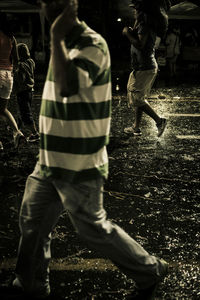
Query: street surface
(152, 192)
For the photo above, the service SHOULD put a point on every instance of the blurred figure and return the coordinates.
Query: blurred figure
(173, 46)
(150, 23)
(24, 86)
(75, 120)
(8, 61)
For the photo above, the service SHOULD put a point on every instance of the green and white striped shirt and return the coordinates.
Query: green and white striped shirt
(74, 130)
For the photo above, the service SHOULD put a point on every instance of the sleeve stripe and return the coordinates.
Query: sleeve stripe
(84, 129)
(84, 146)
(76, 111)
(97, 93)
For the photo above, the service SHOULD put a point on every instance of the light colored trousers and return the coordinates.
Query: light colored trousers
(139, 86)
(44, 201)
(6, 84)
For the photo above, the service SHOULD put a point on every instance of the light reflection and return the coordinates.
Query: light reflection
(117, 88)
(188, 137)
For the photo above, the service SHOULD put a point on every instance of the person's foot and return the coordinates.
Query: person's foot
(161, 96)
(133, 130)
(150, 292)
(18, 138)
(33, 138)
(161, 126)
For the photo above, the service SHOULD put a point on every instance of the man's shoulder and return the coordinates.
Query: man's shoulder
(91, 38)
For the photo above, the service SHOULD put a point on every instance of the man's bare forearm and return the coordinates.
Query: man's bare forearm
(59, 31)
(60, 63)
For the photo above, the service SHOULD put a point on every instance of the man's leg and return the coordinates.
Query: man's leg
(39, 213)
(84, 202)
(146, 108)
(138, 118)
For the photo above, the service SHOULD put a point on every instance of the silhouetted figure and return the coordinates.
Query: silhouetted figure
(150, 22)
(24, 87)
(173, 46)
(8, 60)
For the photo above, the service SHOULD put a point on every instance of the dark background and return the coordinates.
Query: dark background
(108, 17)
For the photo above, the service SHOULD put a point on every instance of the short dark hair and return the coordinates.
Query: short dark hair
(155, 13)
(151, 6)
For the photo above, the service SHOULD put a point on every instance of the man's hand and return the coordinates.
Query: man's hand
(126, 30)
(65, 21)
(65, 18)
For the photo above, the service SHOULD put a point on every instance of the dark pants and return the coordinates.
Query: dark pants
(24, 100)
(43, 202)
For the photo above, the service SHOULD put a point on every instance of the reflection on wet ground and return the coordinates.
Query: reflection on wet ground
(152, 192)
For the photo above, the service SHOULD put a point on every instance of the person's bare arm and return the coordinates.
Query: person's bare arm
(59, 53)
(14, 53)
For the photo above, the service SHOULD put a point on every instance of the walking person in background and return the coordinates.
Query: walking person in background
(173, 44)
(8, 61)
(24, 86)
(150, 22)
(74, 123)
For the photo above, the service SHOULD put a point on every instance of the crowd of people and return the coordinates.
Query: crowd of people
(74, 120)
(178, 38)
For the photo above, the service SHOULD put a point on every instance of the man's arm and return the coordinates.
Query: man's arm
(61, 65)
(137, 40)
(59, 54)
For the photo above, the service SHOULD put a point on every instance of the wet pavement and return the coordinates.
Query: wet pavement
(152, 192)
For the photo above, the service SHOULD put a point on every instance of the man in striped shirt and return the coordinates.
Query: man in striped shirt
(73, 163)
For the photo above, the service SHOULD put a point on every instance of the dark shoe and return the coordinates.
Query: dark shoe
(161, 96)
(150, 292)
(33, 138)
(132, 130)
(161, 126)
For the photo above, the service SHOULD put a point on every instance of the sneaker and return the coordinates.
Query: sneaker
(33, 138)
(133, 131)
(18, 139)
(161, 96)
(150, 292)
(161, 126)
